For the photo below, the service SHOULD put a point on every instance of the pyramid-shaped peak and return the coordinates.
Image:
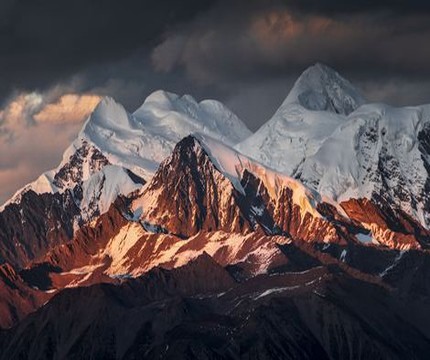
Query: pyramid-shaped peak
(189, 148)
(321, 68)
(108, 106)
(321, 88)
(106, 102)
(108, 114)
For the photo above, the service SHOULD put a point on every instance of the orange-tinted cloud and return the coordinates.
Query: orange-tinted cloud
(68, 108)
(269, 40)
(275, 28)
(19, 110)
(33, 108)
(34, 149)
(34, 132)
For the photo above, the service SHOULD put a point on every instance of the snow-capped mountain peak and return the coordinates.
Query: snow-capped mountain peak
(133, 142)
(317, 104)
(107, 113)
(322, 88)
(325, 136)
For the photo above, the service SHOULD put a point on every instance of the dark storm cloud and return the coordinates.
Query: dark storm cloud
(275, 40)
(269, 40)
(46, 41)
(359, 6)
(209, 48)
(104, 45)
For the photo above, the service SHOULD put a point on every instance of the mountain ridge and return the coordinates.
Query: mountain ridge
(311, 226)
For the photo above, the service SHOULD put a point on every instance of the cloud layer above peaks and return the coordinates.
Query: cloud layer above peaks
(59, 57)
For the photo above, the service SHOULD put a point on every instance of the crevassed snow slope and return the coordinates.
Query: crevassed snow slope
(379, 150)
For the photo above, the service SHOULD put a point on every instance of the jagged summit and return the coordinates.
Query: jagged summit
(108, 112)
(321, 88)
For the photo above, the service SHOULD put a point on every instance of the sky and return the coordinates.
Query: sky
(58, 58)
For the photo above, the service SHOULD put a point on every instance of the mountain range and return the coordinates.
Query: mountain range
(177, 233)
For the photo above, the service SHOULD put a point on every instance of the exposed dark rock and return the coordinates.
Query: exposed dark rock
(200, 312)
(37, 223)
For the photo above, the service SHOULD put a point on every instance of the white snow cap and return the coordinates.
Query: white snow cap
(322, 88)
(140, 141)
(315, 107)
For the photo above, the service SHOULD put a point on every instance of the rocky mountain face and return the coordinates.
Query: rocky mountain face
(37, 222)
(34, 225)
(17, 298)
(188, 194)
(168, 233)
(191, 207)
(201, 311)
